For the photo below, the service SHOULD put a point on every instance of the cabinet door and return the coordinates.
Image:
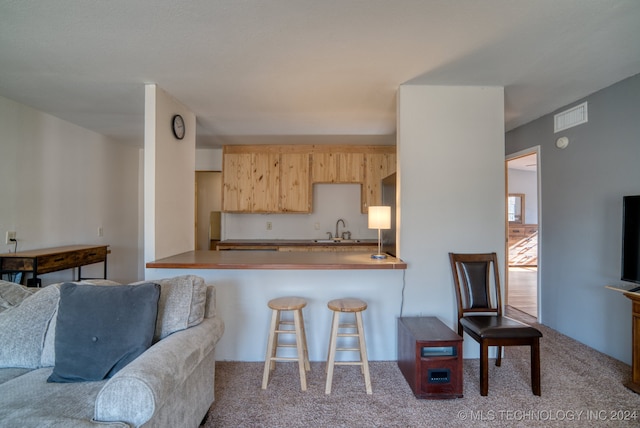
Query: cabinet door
(325, 168)
(338, 167)
(266, 182)
(295, 186)
(351, 167)
(379, 165)
(237, 182)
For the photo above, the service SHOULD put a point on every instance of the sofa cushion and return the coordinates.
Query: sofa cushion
(8, 373)
(30, 402)
(48, 358)
(23, 328)
(12, 294)
(182, 304)
(99, 330)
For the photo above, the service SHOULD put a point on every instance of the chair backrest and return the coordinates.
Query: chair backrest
(476, 290)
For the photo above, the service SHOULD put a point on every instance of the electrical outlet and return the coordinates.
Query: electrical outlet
(316, 226)
(269, 225)
(10, 236)
(100, 232)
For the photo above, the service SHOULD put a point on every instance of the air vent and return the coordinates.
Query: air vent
(570, 118)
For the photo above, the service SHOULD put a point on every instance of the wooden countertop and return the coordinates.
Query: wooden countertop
(324, 260)
(52, 251)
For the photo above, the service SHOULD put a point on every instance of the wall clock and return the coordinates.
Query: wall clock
(177, 124)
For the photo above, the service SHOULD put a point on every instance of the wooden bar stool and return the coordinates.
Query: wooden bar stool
(354, 306)
(294, 304)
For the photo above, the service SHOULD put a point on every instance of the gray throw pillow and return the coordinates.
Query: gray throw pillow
(99, 330)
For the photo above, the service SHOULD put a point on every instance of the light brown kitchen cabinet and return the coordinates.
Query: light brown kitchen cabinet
(324, 168)
(351, 167)
(295, 184)
(265, 176)
(265, 181)
(378, 166)
(338, 167)
(279, 178)
(237, 186)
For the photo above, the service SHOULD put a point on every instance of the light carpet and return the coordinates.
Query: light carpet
(580, 387)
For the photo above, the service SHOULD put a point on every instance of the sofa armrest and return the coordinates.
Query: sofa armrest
(137, 391)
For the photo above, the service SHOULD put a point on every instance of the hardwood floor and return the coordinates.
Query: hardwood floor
(524, 252)
(522, 292)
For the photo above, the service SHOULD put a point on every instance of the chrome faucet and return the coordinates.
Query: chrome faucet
(337, 223)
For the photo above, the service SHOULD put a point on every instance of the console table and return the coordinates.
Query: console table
(46, 260)
(634, 383)
(632, 293)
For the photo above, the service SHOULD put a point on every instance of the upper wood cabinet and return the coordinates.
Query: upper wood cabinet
(295, 185)
(338, 167)
(278, 179)
(237, 185)
(324, 168)
(265, 181)
(379, 165)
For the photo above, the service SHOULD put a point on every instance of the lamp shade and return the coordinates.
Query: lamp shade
(379, 217)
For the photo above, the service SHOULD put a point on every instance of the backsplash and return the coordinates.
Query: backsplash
(330, 202)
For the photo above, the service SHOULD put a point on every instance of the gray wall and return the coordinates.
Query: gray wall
(581, 217)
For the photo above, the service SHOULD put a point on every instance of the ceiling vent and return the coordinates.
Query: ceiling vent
(570, 118)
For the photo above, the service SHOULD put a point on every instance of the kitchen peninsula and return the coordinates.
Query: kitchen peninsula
(275, 260)
(246, 280)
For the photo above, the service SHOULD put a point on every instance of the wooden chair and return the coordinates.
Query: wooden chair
(480, 314)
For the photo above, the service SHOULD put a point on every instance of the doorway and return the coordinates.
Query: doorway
(208, 205)
(523, 209)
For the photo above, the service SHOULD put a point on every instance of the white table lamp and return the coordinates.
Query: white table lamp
(379, 218)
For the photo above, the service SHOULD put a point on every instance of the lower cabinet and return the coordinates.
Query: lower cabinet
(331, 248)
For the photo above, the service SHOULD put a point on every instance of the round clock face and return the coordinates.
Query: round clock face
(178, 126)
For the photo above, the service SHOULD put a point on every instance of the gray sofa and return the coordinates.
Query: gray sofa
(171, 384)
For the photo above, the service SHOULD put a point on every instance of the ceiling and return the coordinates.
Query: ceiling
(524, 163)
(309, 71)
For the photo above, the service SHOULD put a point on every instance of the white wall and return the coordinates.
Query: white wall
(242, 297)
(169, 186)
(526, 182)
(59, 183)
(208, 159)
(451, 189)
(330, 203)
